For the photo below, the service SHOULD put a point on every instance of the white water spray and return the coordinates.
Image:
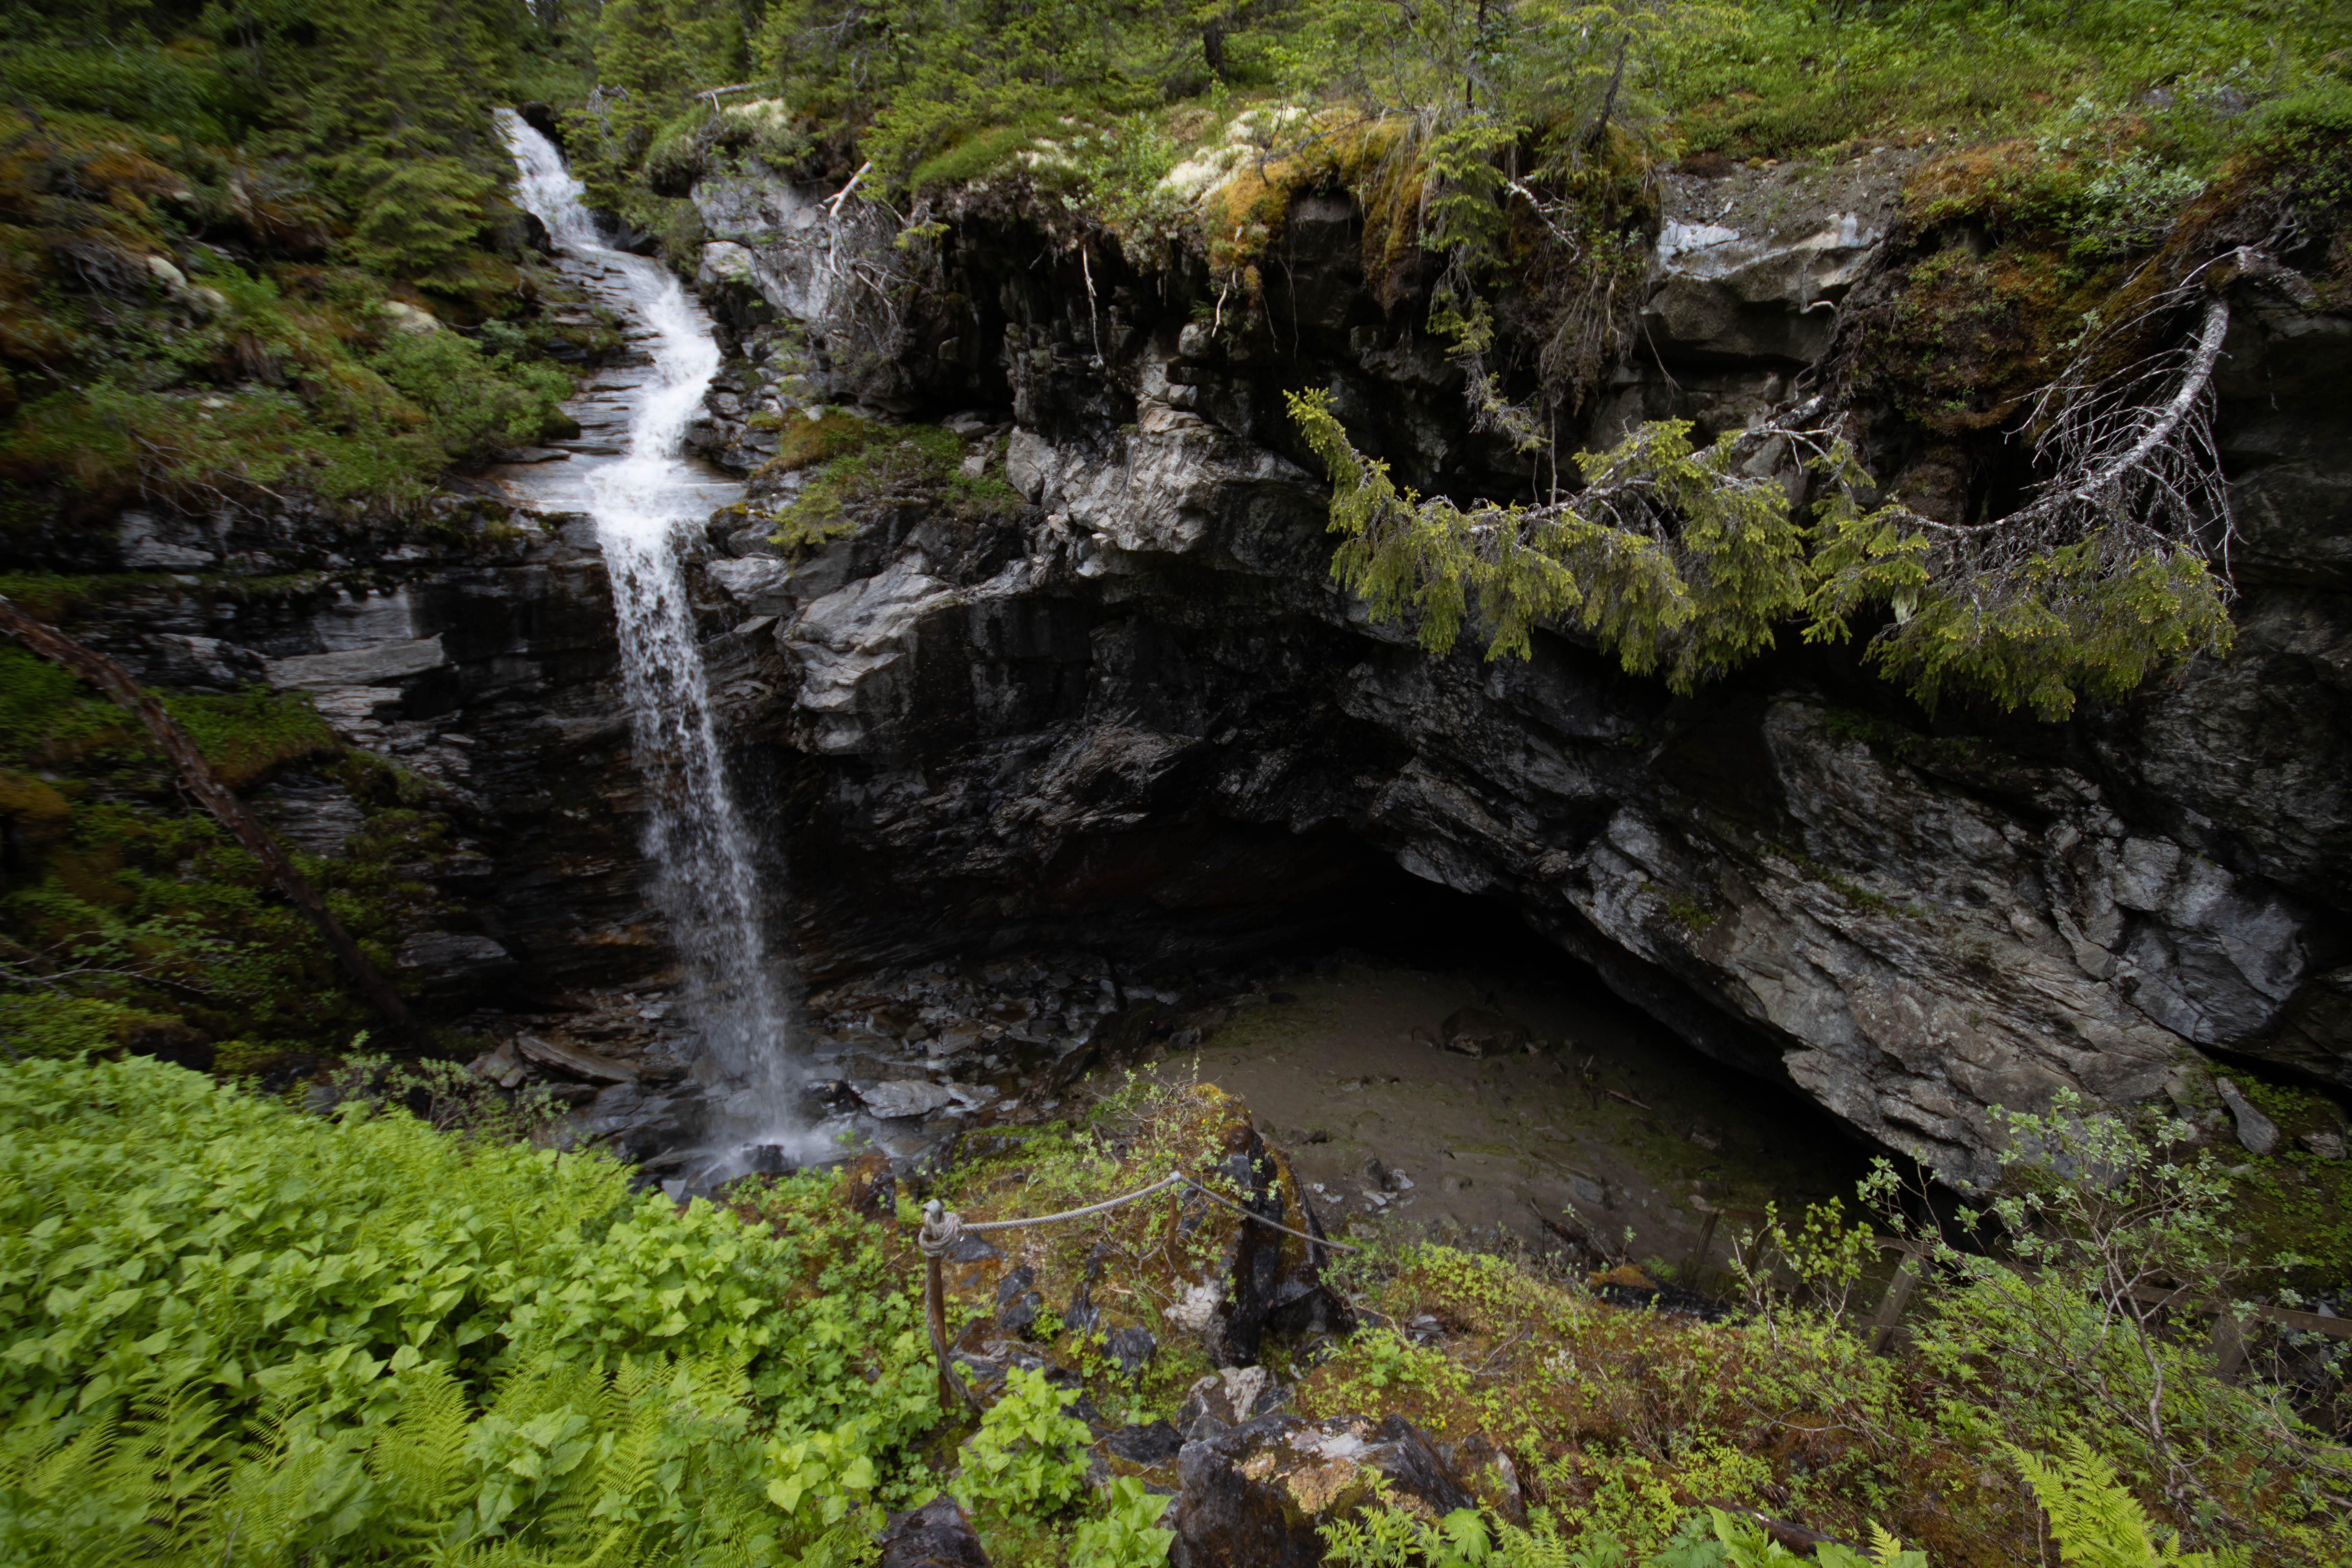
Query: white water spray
(706, 874)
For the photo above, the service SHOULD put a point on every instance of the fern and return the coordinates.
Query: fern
(2097, 1522)
(419, 1460)
(1389, 1537)
(51, 1511)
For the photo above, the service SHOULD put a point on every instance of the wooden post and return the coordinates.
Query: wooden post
(220, 800)
(952, 1397)
(934, 1310)
(2229, 1343)
(1898, 1295)
(1705, 1239)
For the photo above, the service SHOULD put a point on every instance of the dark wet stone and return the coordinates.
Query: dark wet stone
(1017, 1306)
(1015, 1281)
(1154, 1444)
(1239, 1503)
(972, 1249)
(1131, 1349)
(936, 1535)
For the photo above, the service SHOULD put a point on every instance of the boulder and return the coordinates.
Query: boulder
(1475, 1032)
(760, 583)
(1017, 1305)
(2258, 1133)
(146, 543)
(369, 665)
(450, 961)
(1725, 295)
(577, 1060)
(1258, 1280)
(202, 664)
(903, 1097)
(1148, 1444)
(1485, 1471)
(1229, 1398)
(409, 318)
(936, 1535)
(1131, 1349)
(1259, 1493)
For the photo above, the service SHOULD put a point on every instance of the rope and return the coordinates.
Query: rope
(943, 1227)
(1318, 1240)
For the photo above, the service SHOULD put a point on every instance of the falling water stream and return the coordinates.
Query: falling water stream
(642, 499)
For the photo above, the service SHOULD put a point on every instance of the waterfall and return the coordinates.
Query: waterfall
(706, 876)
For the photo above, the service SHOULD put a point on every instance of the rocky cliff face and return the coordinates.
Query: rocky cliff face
(1141, 715)
(1135, 715)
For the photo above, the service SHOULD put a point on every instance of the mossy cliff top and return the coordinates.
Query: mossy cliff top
(246, 261)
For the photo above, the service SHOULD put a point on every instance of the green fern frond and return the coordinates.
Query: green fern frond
(172, 1456)
(44, 1462)
(1886, 1552)
(2097, 1522)
(419, 1459)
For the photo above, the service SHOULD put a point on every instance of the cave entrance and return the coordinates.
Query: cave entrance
(1433, 1065)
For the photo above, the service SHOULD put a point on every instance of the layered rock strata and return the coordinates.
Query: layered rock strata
(1141, 710)
(1133, 714)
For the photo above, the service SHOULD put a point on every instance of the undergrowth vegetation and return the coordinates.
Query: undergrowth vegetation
(228, 1326)
(246, 258)
(2022, 1365)
(853, 465)
(232, 1329)
(127, 918)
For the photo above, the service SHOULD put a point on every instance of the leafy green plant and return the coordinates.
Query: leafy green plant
(862, 464)
(2057, 1316)
(221, 1320)
(648, 1463)
(1389, 1537)
(1028, 1460)
(1820, 1251)
(446, 1096)
(824, 1482)
(1125, 1531)
(1748, 1544)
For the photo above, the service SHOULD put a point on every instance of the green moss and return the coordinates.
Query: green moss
(1838, 883)
(54, 1024)
(47, 715)
(239, 378)
(882, 463)
(52, 596)
(247, 736)
(2291, 1201)
(985, 151)
(1777, 78)
(1963, 340)
(121, 894)
(804, 443)
(1693, 917)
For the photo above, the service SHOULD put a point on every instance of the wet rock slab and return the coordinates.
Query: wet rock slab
(1260, 1493)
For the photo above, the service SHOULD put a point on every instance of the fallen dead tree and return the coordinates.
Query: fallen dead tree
(198, 778)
